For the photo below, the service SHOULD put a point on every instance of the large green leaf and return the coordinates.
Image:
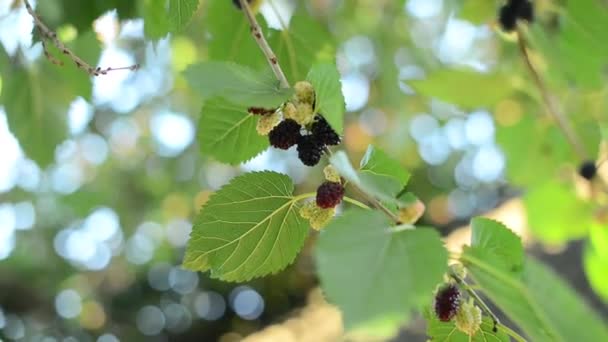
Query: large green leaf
(384, 172)
(465, 88)
(478, 11)
(535, 299)
(228, 133)
(494, 238)
(236, 83)
(596, 260)
(396, 269)
(369, 182)
(329, 100)
(556, 214)
(301, 45)
(180, 13)
(156, 23)
(440, 331)
(249, 228)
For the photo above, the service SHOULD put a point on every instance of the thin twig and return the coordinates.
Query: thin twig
(552, 109)
(258, 35)
(48, 34)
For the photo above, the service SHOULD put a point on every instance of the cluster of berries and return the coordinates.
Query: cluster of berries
(296, 124)
(466, 315)
(514, 10)
(329, 195)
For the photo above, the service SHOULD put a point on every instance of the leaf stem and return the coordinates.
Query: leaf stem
(355, 202)
(475, 296)
(48, 34)
(550, 105)
(517, 337)
(258, 35)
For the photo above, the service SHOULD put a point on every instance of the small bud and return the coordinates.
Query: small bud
(267, 122)
(305, 92)
(459, 270)
(468, 318)
(411, 213)
(321, 218)
(331, 174)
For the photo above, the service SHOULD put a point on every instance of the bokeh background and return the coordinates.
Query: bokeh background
(100, 178)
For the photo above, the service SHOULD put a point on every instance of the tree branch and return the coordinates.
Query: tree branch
(258, 35)
(48, 34)
(552, 109)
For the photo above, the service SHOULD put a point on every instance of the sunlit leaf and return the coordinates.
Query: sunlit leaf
(465, 88)
(329, 100)
(396, 270)
(596, 260)
(237, 84)
(156, 22)
(385, 173)
(249, 228)
(228, 133)
(180, 13)
(494, 238)
(478, 11)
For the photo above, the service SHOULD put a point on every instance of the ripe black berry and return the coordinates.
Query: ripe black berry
(237, 3)
(309, 150)
(447, 301)
(323, 132)
(285, 134)
(329, 194)
(514, 10)
(587, 170)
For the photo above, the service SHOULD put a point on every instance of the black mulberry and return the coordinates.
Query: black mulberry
(285, 134)
(323, 132)
(514, 10)
(309, 150)
(447, 301)
(329, 194)
(587, 170)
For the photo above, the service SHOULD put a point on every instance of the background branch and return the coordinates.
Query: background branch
(258, 35)
(50, 35)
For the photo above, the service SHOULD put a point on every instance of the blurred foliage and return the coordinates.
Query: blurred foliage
(394, 58)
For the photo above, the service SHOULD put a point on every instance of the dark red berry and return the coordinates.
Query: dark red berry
(447, 301)
(329, 194)
(285, 134)
(587, 170)
(323, 132)
(237, 3)
(309, 150)
(514, 10)
(260, 111)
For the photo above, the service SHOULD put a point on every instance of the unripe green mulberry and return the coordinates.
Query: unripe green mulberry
(468, 318)
(267, 122)
(305, 92)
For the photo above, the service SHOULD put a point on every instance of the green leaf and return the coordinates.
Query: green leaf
(384, 172)
(478, 11)
(325, 78)
(556, 214)
(82, 15)
(366, 181)
(236, 83)
(228, 133)
(38, 126)
(496, 239)
(180, 13)
(249, 228)
(539, 302)
(465, 88)
(447, 332)
(156, 23)
(296, 51)
(595, 260)
(230, 35)
(396, 269)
